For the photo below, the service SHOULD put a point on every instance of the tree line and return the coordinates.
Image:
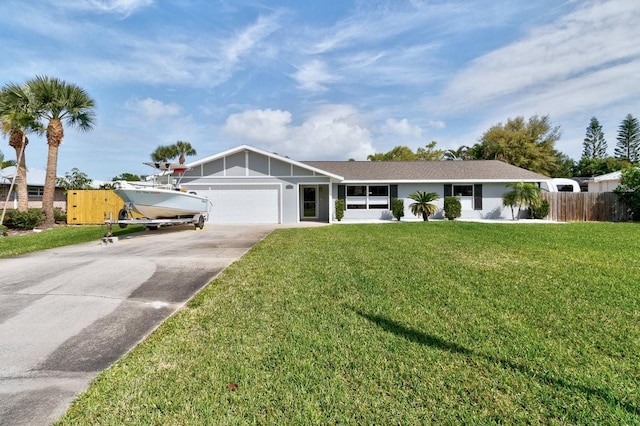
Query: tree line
(530, 144)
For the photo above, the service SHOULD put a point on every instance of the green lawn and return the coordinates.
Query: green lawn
(56, 237)
(403, 323)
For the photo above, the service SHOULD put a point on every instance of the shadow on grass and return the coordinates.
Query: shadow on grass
(416, 336)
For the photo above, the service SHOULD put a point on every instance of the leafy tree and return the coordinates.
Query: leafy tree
(629, 190)
(404, 153)
(17, 117)
(521, 195)
(527, 144)
(628, 146)
(423, 205)
(594, 145)
(598, 166)
(58, 103)
(74, 180)
(129, 177)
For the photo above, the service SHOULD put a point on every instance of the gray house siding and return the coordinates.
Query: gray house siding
(490, 205)
(249, 187)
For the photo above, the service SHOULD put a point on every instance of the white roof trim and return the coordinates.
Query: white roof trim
(382, 181)
(242, 148)
(608, 176)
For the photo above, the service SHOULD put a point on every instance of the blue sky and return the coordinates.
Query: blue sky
(319, 80)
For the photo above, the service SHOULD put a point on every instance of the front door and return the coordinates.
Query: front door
(309, 202)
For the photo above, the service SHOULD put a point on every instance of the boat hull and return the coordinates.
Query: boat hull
(154, 203)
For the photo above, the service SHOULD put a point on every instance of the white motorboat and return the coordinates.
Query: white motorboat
(154, 200)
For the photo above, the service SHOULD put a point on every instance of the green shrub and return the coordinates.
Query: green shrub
(339, 209)
(59, 215)
(540, 210)
(3, 230)
(24, 220)
(452, 207)
(397, 208)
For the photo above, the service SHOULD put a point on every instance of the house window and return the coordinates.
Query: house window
(463, 190)
(470, 195)
(35, 191)
(371, 197)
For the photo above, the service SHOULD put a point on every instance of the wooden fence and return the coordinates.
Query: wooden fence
(585, 206)
(92, 206)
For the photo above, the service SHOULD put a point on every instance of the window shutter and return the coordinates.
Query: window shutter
(341, 192)
(393, 191)
(448, 190)
(477, 197)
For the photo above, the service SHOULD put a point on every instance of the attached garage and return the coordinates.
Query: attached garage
(243, 203)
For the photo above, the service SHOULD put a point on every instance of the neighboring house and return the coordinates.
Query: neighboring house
(35, 187)
(605, 183)
(249, 185)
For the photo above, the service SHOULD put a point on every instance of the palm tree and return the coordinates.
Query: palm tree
(58, 102)
(462, 153)
(509, 200)
(17, 116)
(522, 195)
(164, 153)
(423, 204)
(169, 152)
(184, 148)
(6, 163)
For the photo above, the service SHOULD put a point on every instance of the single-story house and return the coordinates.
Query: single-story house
(605, 183)
(249, 185)
(35, 188)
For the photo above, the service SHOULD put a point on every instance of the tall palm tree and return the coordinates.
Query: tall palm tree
(182, 149)
(164, 153)
(17, 117)
(522, 195)
(422, 205)
(57, 103)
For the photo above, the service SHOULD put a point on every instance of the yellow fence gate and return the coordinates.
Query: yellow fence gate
(92, 206)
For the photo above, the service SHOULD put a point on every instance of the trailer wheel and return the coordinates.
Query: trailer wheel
(122, 215)
(200, 222)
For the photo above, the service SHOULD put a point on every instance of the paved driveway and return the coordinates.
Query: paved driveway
(66, 314)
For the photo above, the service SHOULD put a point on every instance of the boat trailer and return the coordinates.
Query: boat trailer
(126, 217)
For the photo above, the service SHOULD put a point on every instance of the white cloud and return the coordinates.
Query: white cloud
(250, 37)
(124, 7)
(259, 125)
(313, 76)
(153, 109)
(600, 35)
(402, 127)
(436, 124)
(329, 132)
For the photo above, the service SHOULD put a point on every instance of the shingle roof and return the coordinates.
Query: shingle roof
(473, 170)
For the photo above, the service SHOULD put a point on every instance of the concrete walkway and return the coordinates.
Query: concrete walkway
(68, 313)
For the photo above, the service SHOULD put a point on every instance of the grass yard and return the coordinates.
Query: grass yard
(404, 323)
(56, 237)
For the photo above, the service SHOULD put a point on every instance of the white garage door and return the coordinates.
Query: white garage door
(244, 204)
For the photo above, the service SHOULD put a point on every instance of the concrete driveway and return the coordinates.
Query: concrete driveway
(68, 313)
